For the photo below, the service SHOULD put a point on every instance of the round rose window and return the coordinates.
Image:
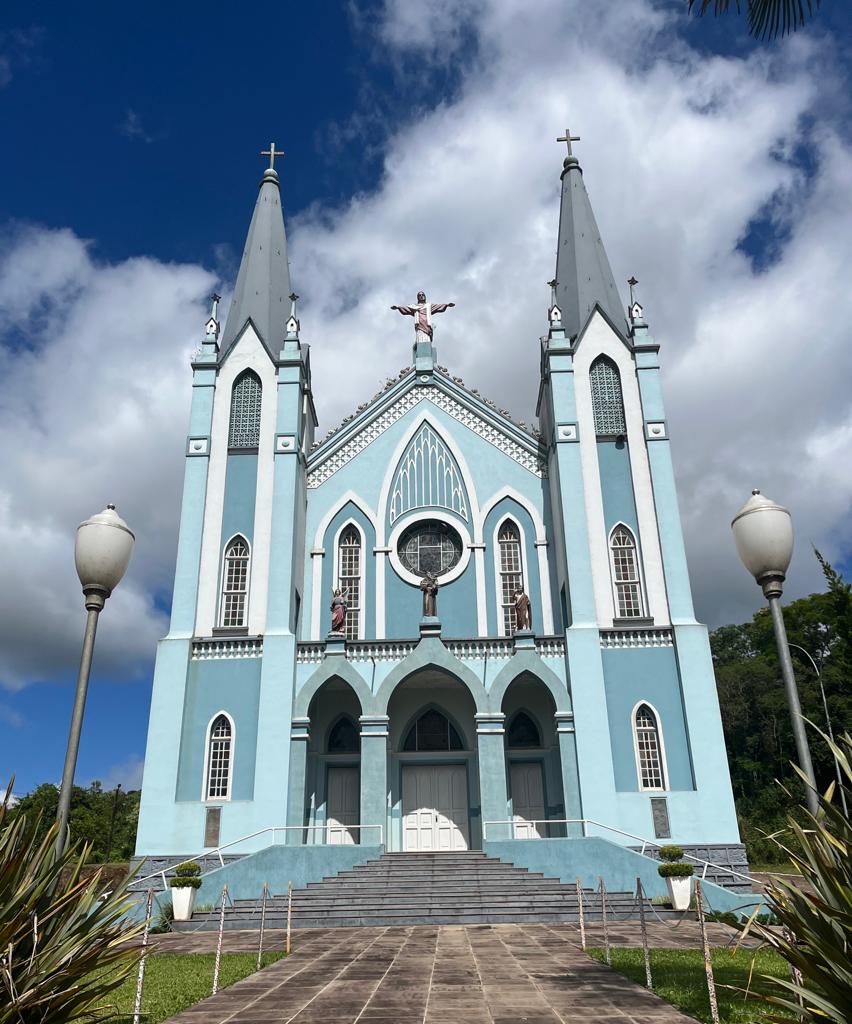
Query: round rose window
(430, 546)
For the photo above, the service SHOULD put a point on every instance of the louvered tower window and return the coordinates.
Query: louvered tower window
(648, 753)
(607, 400)
(625, 574)
(244, 431)
(219, 759)
(511, 573)
(349, 578)
(235, 575)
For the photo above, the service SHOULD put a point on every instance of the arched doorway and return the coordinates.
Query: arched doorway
(332, 779)
(434, 792)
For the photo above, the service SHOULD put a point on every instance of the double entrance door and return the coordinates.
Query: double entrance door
(434, 807)
(343, 796)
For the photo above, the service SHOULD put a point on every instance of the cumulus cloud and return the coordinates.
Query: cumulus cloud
(127, 774)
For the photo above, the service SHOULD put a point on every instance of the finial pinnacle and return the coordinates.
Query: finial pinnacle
(272, 153)
(568, 138)
(756, 490)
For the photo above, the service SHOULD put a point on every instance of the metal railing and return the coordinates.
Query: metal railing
(274, 829)
(530, 825)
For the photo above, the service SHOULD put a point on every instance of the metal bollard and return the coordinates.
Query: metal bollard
(607, 952)
(708, 963)
(640, 895)
(140, 978)
(289, 913)
(262, 924)
(582, 915)
(218, 963)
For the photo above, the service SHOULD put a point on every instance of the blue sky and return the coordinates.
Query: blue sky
(419, 152)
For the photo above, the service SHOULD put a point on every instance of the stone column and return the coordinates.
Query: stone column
(492, 774)
(374, 779)
(570, 774)
(300, 734)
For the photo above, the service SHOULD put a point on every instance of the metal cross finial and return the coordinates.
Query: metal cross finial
(632, 282)
(568, 138)
(272, 153)
(293, 297)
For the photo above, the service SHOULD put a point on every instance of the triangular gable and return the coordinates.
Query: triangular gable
(597, 308)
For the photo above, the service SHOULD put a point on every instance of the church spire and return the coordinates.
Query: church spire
(583, 274)
(263, 289)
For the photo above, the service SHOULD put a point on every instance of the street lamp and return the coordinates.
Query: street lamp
(101, 553)
(763, 533)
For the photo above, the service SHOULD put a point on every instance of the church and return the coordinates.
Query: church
(435, 628)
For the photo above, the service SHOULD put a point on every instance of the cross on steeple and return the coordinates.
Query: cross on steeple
(272, 153)
(568, 138)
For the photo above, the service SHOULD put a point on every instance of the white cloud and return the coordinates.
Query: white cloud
(127, 774)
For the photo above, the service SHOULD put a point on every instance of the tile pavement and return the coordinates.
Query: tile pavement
(450, 974)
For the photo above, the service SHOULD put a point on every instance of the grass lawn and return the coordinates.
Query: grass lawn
(175, 981)
(679, 978)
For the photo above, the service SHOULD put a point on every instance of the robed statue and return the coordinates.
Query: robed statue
(423, 311)
(523, 612)
(429, 586)
(338, 612)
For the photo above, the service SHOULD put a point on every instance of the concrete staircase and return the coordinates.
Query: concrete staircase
(425, 888)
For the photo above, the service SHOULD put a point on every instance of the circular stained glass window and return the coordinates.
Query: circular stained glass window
(430, 546)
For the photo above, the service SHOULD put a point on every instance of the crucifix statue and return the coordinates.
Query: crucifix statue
(423, 311)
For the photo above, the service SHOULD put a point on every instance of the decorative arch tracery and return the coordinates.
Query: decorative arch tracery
(244, 429)
(427, 477)
(607, 398)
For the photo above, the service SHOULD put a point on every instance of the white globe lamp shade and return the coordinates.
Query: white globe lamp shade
(102, 550)
(763, 533)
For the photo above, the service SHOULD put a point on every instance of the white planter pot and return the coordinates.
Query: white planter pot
(183, 902)
(680, 891)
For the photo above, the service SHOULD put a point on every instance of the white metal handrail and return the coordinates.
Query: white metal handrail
(609, 828)
(274, 829)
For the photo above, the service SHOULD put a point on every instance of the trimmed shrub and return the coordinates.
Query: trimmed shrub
(671, 853)
(189, 867)
(185, 882)
(677, 869)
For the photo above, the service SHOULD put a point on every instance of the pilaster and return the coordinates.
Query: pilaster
(374, 778)
(300, 735)
(570, 772)
(493, 794)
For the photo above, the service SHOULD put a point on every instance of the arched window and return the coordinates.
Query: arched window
(626, 582)
(343, 738)
(235, 576)
(432, 731)
(649, 749)
(219, 759)
(511, 573)
(349, 578)
(522, 732)
(607, 400)
(244, 431)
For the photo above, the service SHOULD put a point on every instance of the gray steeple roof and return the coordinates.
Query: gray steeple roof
(583, 274)
(263, 283)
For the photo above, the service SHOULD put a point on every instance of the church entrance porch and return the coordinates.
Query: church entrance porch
(434, 808)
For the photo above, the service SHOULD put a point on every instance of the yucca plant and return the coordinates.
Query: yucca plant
(65, 943)
(815, 937)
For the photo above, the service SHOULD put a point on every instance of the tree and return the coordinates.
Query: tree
(767, 19)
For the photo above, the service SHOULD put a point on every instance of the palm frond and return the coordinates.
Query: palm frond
(767, 19)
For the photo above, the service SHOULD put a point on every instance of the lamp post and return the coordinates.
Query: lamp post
(102, 553)
(763, 533)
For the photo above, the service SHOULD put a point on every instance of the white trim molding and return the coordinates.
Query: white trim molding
(640, 576)
(205, 782)
(220, 611)
(661, 748)
(429, 515)
(362, 563)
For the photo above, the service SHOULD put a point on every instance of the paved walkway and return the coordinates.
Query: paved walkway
(478, 974)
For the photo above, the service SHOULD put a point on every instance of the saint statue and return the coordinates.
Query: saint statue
(523, 613)
(423, 312)
(429, 586)
(338, 612)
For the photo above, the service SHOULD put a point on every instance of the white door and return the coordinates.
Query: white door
(527, 800)
(342, 801)
(434, 807)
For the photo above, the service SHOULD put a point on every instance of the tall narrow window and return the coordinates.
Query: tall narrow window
(235, 583)
(511, 573)
(649, 759)
(219, 759)
(349, 578)
(625, 574)
(607, 400)
(244, 431)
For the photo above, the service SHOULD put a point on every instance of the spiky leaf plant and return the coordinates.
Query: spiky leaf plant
(766, 18)
(815, 937)
(64, 941)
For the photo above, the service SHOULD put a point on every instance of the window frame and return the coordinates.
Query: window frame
(603, 359)
(661, 748)
(639, 580)
(208, 743)
(531, 719)
(223, 579)
(362, 578)
(498, 570)
(241, 376)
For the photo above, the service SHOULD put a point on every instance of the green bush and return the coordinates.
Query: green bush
(185, 882)
(671, 852)
(677, 869)
(188, 869)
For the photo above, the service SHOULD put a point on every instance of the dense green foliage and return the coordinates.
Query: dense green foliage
(675, 869)
(755, 715)
(63, 938)
(105, 819)
(678, 976)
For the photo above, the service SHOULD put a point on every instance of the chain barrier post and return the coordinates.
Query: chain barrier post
(140, 978)
(582, 915)
(262, 923)
(640, 896)
(602, 888)
(289, 912)
(708, 963)
(218, 963)
(795, 973)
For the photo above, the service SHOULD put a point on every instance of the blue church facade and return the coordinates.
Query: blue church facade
(446, 731)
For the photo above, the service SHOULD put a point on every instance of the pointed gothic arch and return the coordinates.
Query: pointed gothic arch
(522, 731)
(427, 476)
(509, 571)
(350, 570)
(244, 425)
(234, 593)
(219, 739)
(607, 398)
(343, 736)
(625, 565)
(648, 747)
